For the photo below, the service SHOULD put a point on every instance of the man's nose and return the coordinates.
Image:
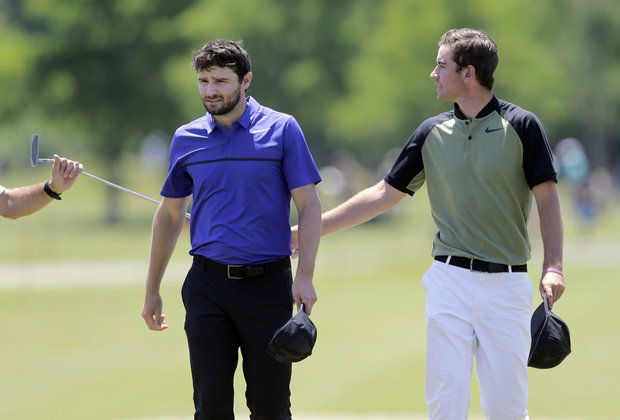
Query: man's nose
(212, 89)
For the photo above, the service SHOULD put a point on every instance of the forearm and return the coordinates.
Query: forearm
(309, 237)
(22, 201)
(552, 231)
(360, 208)
(552, 237)
(548, 202)
(166, 231)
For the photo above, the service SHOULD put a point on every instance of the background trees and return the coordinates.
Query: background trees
(103, 75)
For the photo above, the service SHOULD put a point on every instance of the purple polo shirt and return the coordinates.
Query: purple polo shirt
(240, 181)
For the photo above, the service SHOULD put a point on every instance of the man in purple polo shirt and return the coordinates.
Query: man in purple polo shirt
(240, 163)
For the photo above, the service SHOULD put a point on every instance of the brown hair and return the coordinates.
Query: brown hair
(473, 47)
(223, 53)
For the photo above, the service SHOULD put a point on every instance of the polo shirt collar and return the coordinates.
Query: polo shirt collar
(251, 108)
(489, 108)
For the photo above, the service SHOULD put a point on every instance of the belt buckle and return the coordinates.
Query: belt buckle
(230, 276)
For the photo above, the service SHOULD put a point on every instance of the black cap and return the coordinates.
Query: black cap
(550, 338)
(295, 340)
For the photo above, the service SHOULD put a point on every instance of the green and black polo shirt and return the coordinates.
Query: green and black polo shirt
(479, 175)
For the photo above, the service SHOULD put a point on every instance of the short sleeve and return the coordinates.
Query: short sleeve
(537, 156)
(178, 183)
(407, 173)
(297, 163)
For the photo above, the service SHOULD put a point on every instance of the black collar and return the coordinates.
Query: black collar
(489, 108)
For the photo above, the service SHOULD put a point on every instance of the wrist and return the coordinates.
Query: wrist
(56, 185)
(305, 272)
(49, 190)
(553, 270)
(152, 287)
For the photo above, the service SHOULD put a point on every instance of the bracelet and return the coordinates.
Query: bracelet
(553, 270)
(50, 192)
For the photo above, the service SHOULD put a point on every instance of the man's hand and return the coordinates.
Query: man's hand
(303, 291)
(152, 312)
(64, 174)
(552, 285)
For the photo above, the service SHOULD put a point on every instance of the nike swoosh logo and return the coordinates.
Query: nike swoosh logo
(490, 130)
(259, 131)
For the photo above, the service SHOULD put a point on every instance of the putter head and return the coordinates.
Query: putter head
(34, 150)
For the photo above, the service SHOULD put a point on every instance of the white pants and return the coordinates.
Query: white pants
(486, 315)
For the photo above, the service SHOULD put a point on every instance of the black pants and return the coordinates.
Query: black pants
(224, 315)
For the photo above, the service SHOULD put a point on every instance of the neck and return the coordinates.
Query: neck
(472, 104)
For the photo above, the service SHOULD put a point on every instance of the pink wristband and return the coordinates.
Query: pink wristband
(553, 270)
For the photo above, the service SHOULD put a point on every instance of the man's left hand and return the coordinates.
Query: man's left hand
(303, 291)
(552, 285)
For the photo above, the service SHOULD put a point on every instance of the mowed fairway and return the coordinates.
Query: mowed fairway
(73, 344)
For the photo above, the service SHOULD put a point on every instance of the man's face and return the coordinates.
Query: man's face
(449, 81)
(220, 89)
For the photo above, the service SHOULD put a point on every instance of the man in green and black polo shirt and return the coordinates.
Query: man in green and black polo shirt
(482, 162)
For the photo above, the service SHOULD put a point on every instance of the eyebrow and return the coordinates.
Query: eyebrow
(217, 79)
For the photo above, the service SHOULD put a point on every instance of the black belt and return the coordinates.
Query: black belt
(238, 271)
(484, 266)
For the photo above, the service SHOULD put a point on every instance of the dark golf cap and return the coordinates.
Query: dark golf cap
(295, 340)
(550, 339)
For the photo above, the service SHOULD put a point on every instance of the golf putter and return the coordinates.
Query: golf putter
(35, 160)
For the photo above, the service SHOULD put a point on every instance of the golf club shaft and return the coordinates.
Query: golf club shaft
(113, 185)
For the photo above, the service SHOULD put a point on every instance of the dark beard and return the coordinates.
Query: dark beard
(226, 107)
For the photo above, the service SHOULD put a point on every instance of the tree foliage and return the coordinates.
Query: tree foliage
(99, 64)
(354, 73)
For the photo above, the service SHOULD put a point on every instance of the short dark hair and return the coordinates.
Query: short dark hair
(473, 47)
(223, 53)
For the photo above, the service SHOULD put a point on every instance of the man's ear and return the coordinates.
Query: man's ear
(247, 80)
(470, 73)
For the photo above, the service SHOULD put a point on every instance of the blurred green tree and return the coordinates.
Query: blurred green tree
(588, 48)
(389, 91)
(100, 64)
(299, 53)
(353, 72)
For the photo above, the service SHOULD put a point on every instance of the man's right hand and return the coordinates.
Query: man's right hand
(152, 312)
(64, 174)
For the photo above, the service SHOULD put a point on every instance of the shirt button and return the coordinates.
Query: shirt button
(469, 137)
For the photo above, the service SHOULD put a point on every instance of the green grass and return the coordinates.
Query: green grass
(83, 352)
